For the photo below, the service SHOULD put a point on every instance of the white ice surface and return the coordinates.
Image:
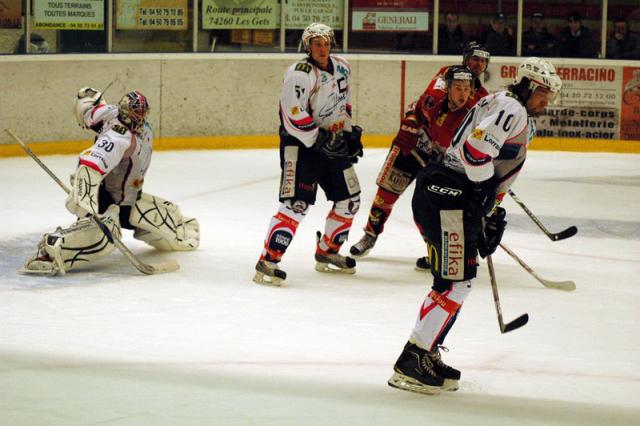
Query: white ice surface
(207, 346)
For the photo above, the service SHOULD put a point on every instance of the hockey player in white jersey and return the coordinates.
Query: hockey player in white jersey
(108, 184)
(456, 206)
(318, 145)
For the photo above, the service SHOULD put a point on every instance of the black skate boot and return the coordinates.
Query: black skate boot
(330, 261)
(415, 372)
(268, 273)
(423, 264)
(450, 375)
(364, 246)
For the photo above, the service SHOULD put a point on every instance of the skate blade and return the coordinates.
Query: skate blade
(422, 269)
(261, 278)
(327, 267)
(400, 381)
(450, 385)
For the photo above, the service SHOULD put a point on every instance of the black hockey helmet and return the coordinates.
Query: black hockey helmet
(458, 72)
(473, 48)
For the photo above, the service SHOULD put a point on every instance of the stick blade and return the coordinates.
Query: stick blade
(159, 268)
(563, 235)
(559, 285)
(516, 323)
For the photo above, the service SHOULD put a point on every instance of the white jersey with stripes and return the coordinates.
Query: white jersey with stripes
(492, 140)
(312, 98)
(121, 157)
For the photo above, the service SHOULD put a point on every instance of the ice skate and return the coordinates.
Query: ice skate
(450, 375)
(334, 262)
(414, 372)
(364, 246)
(423, 264)
(268, 273)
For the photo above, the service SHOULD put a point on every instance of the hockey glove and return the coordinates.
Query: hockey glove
(492, 232)
(333, 145)
(483, 197)
(407, 137)
(354, 143)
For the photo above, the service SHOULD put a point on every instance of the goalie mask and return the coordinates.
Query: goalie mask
(132, 110)
(317, 30)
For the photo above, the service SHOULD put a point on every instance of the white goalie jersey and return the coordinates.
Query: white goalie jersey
(121, 157)
(313, 98)
(492, 140)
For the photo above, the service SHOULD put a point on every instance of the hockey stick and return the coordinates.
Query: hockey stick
(516, 323)
(559, 285)
(567, 233)
(141, 266)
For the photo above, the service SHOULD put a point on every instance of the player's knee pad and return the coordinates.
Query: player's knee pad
(347, 208)
(295, 209)
(395, 175)
(450, 297)
(160, 223)
(75, 246)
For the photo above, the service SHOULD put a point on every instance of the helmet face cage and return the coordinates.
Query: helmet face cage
(475, 49)
(538, 72)
(317, 30)
(133, 109)
(458, 72)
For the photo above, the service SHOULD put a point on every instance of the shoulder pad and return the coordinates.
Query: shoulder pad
(303, 66)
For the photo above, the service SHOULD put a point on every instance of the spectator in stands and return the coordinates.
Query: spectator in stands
(37, 44)
(623, 44)
(576, 41)
(451, 38)
(499, 37)
(537, 41)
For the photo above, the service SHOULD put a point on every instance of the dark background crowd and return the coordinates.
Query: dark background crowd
(575, 40)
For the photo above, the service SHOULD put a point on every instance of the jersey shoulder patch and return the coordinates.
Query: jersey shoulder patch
(303, 66)
(120, 129)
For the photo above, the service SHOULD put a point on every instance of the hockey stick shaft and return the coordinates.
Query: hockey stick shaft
(516, 323)
(567, 233)
(560, 285)
(135, 261)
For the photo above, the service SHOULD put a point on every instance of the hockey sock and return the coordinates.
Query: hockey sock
(338, 224)
(380, 211)
(281, 231)
(436, 313)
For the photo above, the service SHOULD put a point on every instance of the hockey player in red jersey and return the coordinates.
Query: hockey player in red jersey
(108, 184)
(425, 131)
(455, 204)
(318, 145)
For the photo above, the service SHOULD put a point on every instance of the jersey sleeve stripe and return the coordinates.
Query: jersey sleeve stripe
(91, 165)
(474, 157)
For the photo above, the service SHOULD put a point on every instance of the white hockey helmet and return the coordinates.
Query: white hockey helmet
(538, 72)
(86, 99)
(132, 110)
(317, 30)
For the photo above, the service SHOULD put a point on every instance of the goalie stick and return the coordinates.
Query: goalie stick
(145, 268)
(562, 235)
(516, 323)
(559, 285)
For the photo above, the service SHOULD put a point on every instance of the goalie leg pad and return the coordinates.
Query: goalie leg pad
(75, 246)
(160, 224)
